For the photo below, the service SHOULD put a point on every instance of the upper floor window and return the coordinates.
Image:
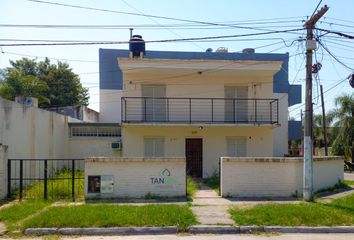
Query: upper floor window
(154, 102)
(236, 103)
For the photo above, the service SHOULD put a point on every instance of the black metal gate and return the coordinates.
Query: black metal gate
(45, 178)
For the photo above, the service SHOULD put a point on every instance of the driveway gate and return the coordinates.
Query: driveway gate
(45, 178)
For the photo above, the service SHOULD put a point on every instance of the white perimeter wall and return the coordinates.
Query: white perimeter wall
(280, 177)
(30, 132)
(138, 177)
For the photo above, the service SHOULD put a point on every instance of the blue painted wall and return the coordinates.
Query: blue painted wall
(294, 130)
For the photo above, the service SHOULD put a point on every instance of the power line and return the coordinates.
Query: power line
(316, 9)
(329, 89)
(146, 15)
(169, 30)
(149, 41)
(330, 53)
(139, 26)
(336, 32)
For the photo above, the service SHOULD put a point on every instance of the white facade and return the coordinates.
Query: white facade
(178, 100)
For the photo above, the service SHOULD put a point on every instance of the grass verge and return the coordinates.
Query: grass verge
(103, 215)
(18, 211)
(192, 186)
(339, 212)
(349, 182)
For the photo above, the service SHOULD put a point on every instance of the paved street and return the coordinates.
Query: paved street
(217, 237)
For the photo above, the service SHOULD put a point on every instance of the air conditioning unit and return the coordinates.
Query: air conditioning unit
(116, 145)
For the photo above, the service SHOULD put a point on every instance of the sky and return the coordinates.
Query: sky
(246, 17)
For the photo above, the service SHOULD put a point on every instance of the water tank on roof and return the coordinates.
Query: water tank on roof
(248, 50)
(136, 46)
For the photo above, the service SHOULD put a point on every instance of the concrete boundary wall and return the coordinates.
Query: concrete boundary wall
(135, 177)
(278, 177)
(3, 171)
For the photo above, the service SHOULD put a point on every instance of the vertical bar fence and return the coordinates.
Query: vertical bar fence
(50, 179)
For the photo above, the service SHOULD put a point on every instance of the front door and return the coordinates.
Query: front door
(194, 157)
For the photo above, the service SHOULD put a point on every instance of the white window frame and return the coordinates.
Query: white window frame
(239, 146)
(157, 144)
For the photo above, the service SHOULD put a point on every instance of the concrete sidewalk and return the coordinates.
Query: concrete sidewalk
(212, 209)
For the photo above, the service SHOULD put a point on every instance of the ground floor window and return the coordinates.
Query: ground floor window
(236, 146)
(154, 147)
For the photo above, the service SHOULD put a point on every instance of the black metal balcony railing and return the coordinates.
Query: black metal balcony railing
(200, 110)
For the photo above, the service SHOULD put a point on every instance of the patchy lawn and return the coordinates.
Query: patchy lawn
(108, 215)
(339, 212)
(16, 212)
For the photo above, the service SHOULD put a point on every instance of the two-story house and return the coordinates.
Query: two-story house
(198, 105)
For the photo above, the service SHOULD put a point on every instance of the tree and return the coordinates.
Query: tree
(53, 84)
(343, 117)
(318, 132)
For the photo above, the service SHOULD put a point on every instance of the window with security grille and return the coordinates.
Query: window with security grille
(95, 131)
(154, 147)
(236, 146)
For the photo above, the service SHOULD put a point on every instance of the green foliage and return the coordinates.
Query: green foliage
(339, 212)
(213, 182)
(53, 84)
(343, 116)
(60, 188)
(338, 186)
(18, 84)
(192, 186)
(107, 215)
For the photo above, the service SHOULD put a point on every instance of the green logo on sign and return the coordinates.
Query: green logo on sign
(164, 178)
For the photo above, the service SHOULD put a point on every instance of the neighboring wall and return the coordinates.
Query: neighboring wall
(281, 177)
(30, 132)
(259, 141)
(3, 171)
(135, 177)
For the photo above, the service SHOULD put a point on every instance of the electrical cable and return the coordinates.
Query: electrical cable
(149, 41)
(145, 15)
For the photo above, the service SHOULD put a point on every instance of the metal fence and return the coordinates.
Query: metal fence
(45, 178)
(200, 110)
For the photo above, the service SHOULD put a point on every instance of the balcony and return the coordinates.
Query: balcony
(200, 110)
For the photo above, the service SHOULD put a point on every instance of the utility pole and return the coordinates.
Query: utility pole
(308, 153)
(324, 122)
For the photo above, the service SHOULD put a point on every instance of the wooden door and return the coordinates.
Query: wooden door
(194, 157)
